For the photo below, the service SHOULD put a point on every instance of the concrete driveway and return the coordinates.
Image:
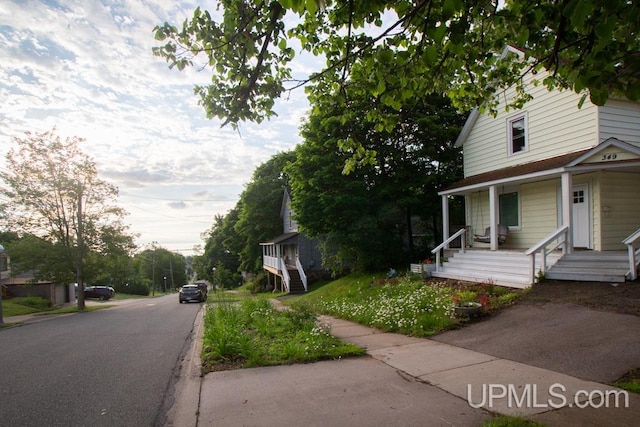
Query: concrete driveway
(567, 338)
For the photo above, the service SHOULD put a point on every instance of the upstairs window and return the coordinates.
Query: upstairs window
(517, 134)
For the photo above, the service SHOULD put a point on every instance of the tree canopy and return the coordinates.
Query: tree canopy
(367, 217)
(404, 49)
(53, 195)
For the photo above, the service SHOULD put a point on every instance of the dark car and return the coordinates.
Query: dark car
(100, 292)
(204, 288)
(191, 293)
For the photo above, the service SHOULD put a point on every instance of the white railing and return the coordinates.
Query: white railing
(444, 244)
(303, 276)
(634, 254)
(541, 246)
(270, 261)
(285, 275)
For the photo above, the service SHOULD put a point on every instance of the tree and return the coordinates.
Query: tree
(405, 49)
(259, 216)
(160, 268)
(366, 217)
(53, 194)
(222, 246)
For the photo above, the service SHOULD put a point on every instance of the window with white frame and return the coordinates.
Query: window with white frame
(517, 134)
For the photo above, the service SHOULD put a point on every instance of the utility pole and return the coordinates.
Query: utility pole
(173, 284)
(153, 274)
(80, 239)
(3, 268)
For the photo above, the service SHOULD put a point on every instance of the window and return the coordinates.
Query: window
(509, 209)
(517, 134)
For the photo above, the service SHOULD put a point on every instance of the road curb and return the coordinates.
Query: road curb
(186, 407)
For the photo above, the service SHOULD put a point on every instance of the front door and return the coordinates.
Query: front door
(581, 223)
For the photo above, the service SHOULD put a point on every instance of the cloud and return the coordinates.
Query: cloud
(87, 69)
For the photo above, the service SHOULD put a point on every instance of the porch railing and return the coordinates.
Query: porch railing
(541, 247)
(270, 261)
(634, 253)
(445, 244)
(303, 276)
(286, 280)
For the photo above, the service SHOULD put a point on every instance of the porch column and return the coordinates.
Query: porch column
(493, 216)
(445, 220)
(567, 208)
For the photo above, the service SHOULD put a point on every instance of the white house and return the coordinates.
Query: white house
(564, 180)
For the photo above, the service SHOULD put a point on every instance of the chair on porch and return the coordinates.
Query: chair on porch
(503, 232)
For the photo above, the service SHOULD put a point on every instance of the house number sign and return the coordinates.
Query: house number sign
(609, 156)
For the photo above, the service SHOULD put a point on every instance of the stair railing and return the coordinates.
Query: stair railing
(285, 275)
(541, 247)
(445, 244)
(303, 276)
(634, 254)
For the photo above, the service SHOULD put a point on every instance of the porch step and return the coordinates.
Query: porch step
(591, 267)
(505, 268)
(295, 282)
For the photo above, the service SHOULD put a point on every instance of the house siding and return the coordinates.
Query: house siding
(619, 208)
(620, 119)
(539, 212)
(555, 126)
(289, 225)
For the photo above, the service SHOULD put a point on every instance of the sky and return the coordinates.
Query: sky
(85, 67)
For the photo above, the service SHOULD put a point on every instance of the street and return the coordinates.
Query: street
(111, 367)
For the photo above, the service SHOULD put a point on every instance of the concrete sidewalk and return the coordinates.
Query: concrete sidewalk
(405, 381)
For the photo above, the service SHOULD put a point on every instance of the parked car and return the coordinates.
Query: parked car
(191, 293)
(204, 288)
(101, 292)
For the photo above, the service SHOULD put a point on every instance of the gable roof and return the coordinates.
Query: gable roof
(611, 153)
(475, 113)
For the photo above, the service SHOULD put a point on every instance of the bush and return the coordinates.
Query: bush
(259, 283)
(34, 302)
(133, 288)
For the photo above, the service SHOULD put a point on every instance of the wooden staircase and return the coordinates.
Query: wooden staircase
(506, 268)
(590, 266)
(295, 282)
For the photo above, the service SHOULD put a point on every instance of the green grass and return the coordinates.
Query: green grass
(510, 421)
(38, 306)
(253, 333)
(631, 385)
(16, 307)
(404, 305)
(630, 381)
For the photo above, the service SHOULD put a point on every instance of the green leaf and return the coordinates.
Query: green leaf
(431, 54)
(633, 91)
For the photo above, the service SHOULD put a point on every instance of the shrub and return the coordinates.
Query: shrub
(34, 302)
(259, 283)
(133, 288)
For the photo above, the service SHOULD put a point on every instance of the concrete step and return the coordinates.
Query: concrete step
(583, 277)
(509, 280)
(591, 267)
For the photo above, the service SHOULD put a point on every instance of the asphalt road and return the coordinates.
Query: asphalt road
(111, 367)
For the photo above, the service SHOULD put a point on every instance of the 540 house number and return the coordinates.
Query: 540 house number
(610, 156)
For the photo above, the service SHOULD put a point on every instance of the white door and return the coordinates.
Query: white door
(581, 229)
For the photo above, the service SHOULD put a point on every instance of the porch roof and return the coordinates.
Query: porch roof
(554, 165)
(280, 238)
(578, 161)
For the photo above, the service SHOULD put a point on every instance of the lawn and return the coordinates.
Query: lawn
(254, 333)
(404, 305)
(243, 331)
